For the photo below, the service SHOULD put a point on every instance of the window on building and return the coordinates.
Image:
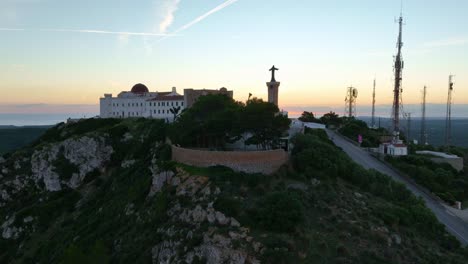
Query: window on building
(159, 111)
(128, 104)
(182, 103)
(141, 104)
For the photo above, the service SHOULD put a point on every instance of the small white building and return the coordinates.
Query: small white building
(140, 102)
(393, 149)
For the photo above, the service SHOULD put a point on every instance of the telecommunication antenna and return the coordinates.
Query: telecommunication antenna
(397, 90)
(373, 107)
(448, 119)
(350, 101)
(423, 134)
(408, 126)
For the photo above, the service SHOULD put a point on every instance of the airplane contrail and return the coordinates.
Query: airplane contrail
(108, 32)
(11, 29)
(202, 17)
(94, 31)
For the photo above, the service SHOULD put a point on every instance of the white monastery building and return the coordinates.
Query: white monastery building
(140, 102)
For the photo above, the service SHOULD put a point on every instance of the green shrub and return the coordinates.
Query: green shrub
(279, 211)
(63, 167)
(228, 205)
(278, 251)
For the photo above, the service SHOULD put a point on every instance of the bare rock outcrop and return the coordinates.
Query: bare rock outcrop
(203, 227)
(86, 153)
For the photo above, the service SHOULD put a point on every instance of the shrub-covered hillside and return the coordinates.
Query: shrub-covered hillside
(441, 179)
(102, 191)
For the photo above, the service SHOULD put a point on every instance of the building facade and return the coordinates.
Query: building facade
(192, 95)
(140, 102)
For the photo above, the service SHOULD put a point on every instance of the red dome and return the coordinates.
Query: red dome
(139, 88)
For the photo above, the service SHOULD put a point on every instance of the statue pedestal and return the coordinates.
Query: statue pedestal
(273, 88)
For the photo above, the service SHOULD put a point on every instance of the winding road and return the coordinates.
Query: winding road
(453, 224)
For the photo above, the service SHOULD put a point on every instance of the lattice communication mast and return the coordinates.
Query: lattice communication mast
(350, 101)
(423, 134)
(448, 119)
(373, 107)
(397, 90)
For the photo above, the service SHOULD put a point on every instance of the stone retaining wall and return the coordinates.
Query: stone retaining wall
(265, 162)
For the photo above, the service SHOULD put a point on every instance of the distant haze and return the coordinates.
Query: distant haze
(432, 110)
(48, 114)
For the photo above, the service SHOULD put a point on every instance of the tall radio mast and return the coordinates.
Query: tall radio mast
(397, 90)
(373, 107)
(448, 119)
(423, 139)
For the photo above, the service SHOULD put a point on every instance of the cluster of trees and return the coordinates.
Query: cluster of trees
(371, 137)
(349, 127)
(441, 179)
(215, 120)
(329, 119)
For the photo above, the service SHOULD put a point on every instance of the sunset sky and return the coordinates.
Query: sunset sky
(57, 52)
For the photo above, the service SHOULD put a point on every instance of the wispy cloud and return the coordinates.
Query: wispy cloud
(167, 10)
(12, 29)
(147, 45)
(18, 67)
(447, 42)
(123, 39)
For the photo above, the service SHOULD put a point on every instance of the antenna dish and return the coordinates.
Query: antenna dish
(355, 93)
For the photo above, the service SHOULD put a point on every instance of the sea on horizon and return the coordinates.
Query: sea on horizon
(38, 119)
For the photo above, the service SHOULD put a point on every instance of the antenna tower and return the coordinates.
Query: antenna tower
(397, 90)
(373, 107)
(350, 101)
(448, 119)
(423, 134)
(408, 126)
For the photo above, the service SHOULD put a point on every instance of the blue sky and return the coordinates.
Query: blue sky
(71, 52)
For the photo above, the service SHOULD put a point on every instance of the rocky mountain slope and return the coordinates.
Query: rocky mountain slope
(101, 191)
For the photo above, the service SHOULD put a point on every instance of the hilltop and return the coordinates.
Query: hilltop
(105, 190)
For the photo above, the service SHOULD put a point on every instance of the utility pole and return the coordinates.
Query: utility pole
(423, 134)
(448, 119)
(397, 90)
(373, 107)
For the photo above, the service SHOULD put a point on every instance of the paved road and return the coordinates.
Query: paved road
(453, 224)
